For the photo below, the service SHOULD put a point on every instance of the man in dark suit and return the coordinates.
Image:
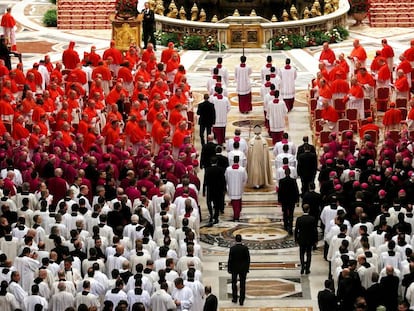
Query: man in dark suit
(306, 235)
(215, 183)
(389, 288)
(222, 160)
(314, 199)
(373, 293)
(211, 301)
(307, 167)
(288, 196)
(238, 265)
(301, 148)
(326, 298)
(148, 25)
(207, 117)
(207, 152)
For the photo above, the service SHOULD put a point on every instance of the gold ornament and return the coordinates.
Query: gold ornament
(203, 16)
(194, 12)
(274, 18)
(253, 13)
(285, 15)
(306, 13)
(294, 13)
(183, 14)
(236, 13)
(214, 19)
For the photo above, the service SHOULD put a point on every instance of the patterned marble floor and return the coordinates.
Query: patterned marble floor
(275, 271)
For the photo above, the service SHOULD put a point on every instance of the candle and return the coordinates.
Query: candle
(270, 46)
(219, 44)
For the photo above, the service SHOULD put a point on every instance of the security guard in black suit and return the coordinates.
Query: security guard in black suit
(148, 26)
(306, 235)
(238, 265)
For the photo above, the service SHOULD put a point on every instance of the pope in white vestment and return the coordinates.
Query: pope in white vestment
(259, 171)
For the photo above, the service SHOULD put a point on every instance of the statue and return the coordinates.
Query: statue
(253, 13)
(294, 13)
(214, 19)
(327, 8)
(306, 13)
(172, 5)
(314, 13)
(183, 14)
(194, 12)
(159, 9)
(317, 7)
(151, 4)
(285, 16)
(173, 13)
(203, 16)
(274, 18)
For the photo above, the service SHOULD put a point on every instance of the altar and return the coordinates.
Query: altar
(126, 32)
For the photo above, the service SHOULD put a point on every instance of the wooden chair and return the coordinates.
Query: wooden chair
(340, 107)
(383, 96)
(367, 108)
(318, 114)
(373, 134)
(395, 135)
(324, 137)
(401, 103)
(312, 107)
(404, 113)
(352, 116)
(317, 127)
(344, 125)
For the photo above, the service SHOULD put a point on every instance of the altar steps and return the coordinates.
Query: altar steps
(81, 14)
(391, 13)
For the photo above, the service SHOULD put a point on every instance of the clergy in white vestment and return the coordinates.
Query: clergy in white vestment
(243, 85)
(27, 266)
(62, 299)
(115, 261)
(138, 294)
(9, 245)
(287, 85)
(7, 301)
(116, 294)
(211, 82)
(242, 142)
(161, 300)
(31, 301)
(237, 152)
(222, 108)
(14, 288)
(182, 295)
(87, 298)
(277, 115)
(236, 178)
(222, 71)
(198, 291)
(266, 69)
